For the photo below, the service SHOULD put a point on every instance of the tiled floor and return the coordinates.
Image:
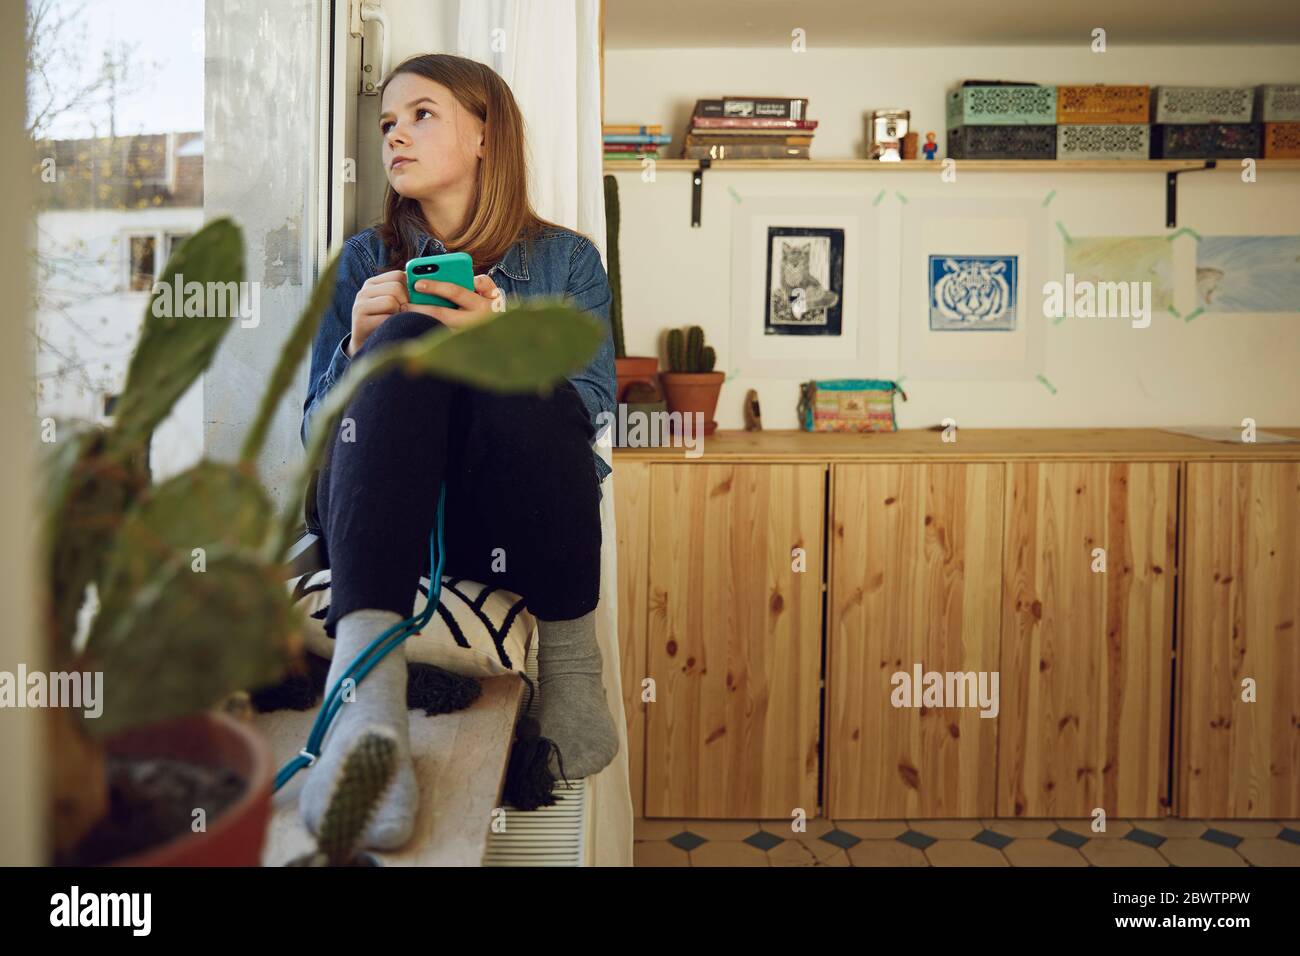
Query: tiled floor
(1166, 842)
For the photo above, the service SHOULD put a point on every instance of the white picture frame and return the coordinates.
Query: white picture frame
(994, 227)
(858, 350)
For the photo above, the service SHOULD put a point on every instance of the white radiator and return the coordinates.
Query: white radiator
(548, 836)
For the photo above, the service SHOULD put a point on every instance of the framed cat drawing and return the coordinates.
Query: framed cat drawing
(806, 291)
(805, 281)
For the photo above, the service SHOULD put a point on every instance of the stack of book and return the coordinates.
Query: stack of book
(629, 141)
(749, 127)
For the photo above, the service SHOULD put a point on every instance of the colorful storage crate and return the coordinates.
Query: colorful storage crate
(1206, 140)
(1108, 141)
(1103, 104)
(1282, 140)
(1204, 104)
(1002, 106)
(1002, 142)
(1279, 104)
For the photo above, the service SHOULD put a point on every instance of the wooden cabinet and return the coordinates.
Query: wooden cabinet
(915, 580)
(969, 558)
(1086, 654)
(733, 640)
(1241, 619)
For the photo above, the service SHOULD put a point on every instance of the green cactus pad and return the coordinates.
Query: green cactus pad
(612, 216)
(188, 639)
(174, 350)
(528, 348)
(694, 348)
(209, 506)
(676, 351)
(88, 490)
(368, 771)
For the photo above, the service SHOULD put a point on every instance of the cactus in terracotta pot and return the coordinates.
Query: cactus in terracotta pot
(690, 384)
(688, 353)
(183, 582)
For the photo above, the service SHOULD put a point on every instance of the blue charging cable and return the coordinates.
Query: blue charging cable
(372, 655)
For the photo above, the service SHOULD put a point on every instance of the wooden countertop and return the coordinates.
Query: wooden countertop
(972, 444)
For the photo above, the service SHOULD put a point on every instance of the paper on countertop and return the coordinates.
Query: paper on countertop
(1231, 434)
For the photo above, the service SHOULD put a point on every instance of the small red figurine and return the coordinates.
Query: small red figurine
(930, 147)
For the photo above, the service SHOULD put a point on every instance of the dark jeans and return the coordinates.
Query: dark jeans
(520, 478)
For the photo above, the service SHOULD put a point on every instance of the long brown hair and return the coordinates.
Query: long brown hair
(499, 212)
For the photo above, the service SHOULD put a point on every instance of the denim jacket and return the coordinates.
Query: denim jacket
(559, 263)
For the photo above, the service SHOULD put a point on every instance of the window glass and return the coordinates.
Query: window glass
(115, 118)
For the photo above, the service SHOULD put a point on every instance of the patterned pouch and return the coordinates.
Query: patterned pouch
(848, 405)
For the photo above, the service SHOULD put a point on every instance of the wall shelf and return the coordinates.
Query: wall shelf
(1169, 167)
(963, 165)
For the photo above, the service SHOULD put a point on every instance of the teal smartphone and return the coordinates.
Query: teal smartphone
(455, 267)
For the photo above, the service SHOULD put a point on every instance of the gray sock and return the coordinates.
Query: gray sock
(574, 711)
(377, 699)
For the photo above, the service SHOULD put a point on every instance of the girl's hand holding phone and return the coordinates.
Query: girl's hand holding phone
(385, 294)
(473, 306)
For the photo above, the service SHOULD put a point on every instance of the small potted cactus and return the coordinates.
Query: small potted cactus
(690, 384)
(630, 369)
(368, 771)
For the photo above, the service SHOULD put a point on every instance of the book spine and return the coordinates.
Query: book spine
(776, 138)
(632, 129)
(734, 122)
(727, 151)
(794, 108)
(637, 138)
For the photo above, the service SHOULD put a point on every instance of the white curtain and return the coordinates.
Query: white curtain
(549, 54)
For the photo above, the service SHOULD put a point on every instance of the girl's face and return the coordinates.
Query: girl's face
(431, 142)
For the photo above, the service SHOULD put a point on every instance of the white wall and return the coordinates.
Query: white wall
(1215, 369)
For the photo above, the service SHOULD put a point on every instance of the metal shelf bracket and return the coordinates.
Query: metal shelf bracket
(697, 191)
(1171, 191)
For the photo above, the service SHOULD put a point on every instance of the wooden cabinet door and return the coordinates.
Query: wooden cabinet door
(915, 574)
(632, 521)
(1241, 619)
(1086, 655)
(734, 642)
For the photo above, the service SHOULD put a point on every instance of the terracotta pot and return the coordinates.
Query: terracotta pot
(634, 368)
(234, 838)
(690, 392)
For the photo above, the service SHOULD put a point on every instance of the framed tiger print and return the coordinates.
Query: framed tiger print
(971, 276)
(973, 293)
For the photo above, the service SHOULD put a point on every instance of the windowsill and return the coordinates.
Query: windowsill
(460, 764)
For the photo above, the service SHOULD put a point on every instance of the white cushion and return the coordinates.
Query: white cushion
(477, 630)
